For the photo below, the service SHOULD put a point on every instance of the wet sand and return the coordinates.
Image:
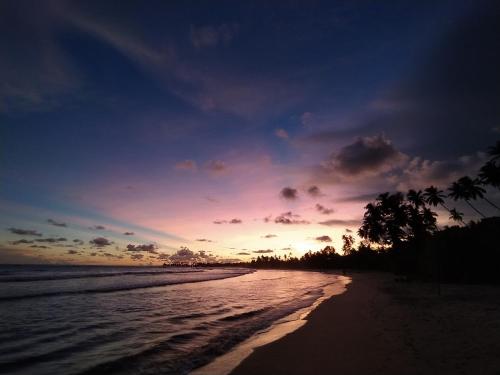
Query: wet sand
(380, 326)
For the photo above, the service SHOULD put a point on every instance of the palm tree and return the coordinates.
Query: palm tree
(416, 198)
(490, 174)
(465, 188)
(475, 190)
(456, 216)
(433, 196)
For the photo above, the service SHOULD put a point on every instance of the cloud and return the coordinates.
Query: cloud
(212, 36)
(40, 247)
(100, 242)
(324, 210)
(24, 232)
(289, 218)
(323, 239)
(78, 242)
(203, 240)
(187, 256)
(269, 236)
(128, 233)
(367, 155)
(52, 240)
(72, 252)
(263, 251)
(186, 165)
(232, 221)
(314, 191)
(341, 222)
(98, 227)
(19, 242)
(149, 248)
(243, 253)
(216, 167)
(420, 173)
(163, 256)
(289, 193)
(281, 133)
(136, 256)
(56, 223)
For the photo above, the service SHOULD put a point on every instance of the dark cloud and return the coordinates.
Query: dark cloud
(235, 221)
(149, 248)
(348, 230)
(100, 242)
(129, 233)
(323, 239)
(97, 227)
(163, 256)
(93, 254)
(56, 223)
(78, 242)
(341, 222)
(52, 240)
(324, 210)
(289, 218)
(40, 247)
(24, 232)
(289, 193)
(314, 191)
(72, 252)
(367, 155)
(263, 251)
(269, 236)
(136, 256)
(203, 240)
(243, 253)
(19, 242)
(187, 256)
(220, 221)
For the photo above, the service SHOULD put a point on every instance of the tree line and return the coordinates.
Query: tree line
(399, 232)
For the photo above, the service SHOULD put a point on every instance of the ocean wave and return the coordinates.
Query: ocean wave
(120, 288)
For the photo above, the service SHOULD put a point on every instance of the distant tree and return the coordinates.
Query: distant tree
(466, 189)
(416, 198)
(489, 174)
(347, 247)
(456, 216)
(385, 220)
(434, 197)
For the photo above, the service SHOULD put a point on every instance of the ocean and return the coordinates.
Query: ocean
(141, 320)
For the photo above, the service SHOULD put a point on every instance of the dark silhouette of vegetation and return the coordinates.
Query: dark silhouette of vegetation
(399, 233)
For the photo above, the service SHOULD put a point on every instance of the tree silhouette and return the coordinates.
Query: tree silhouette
(466, 189)
(489, 174)
(416, 198)
(456, 216)
(347, 247)
(433, 197)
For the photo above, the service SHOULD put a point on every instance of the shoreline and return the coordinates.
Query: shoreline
(379, 326)
(227, 362)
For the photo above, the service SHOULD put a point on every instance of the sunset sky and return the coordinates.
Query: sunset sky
(131, 129)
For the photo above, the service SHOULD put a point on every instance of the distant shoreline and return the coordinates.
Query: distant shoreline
(380, 326)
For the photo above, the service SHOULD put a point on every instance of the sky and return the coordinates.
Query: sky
(137, 132)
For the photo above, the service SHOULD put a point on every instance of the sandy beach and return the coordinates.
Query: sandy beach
(380, 326)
